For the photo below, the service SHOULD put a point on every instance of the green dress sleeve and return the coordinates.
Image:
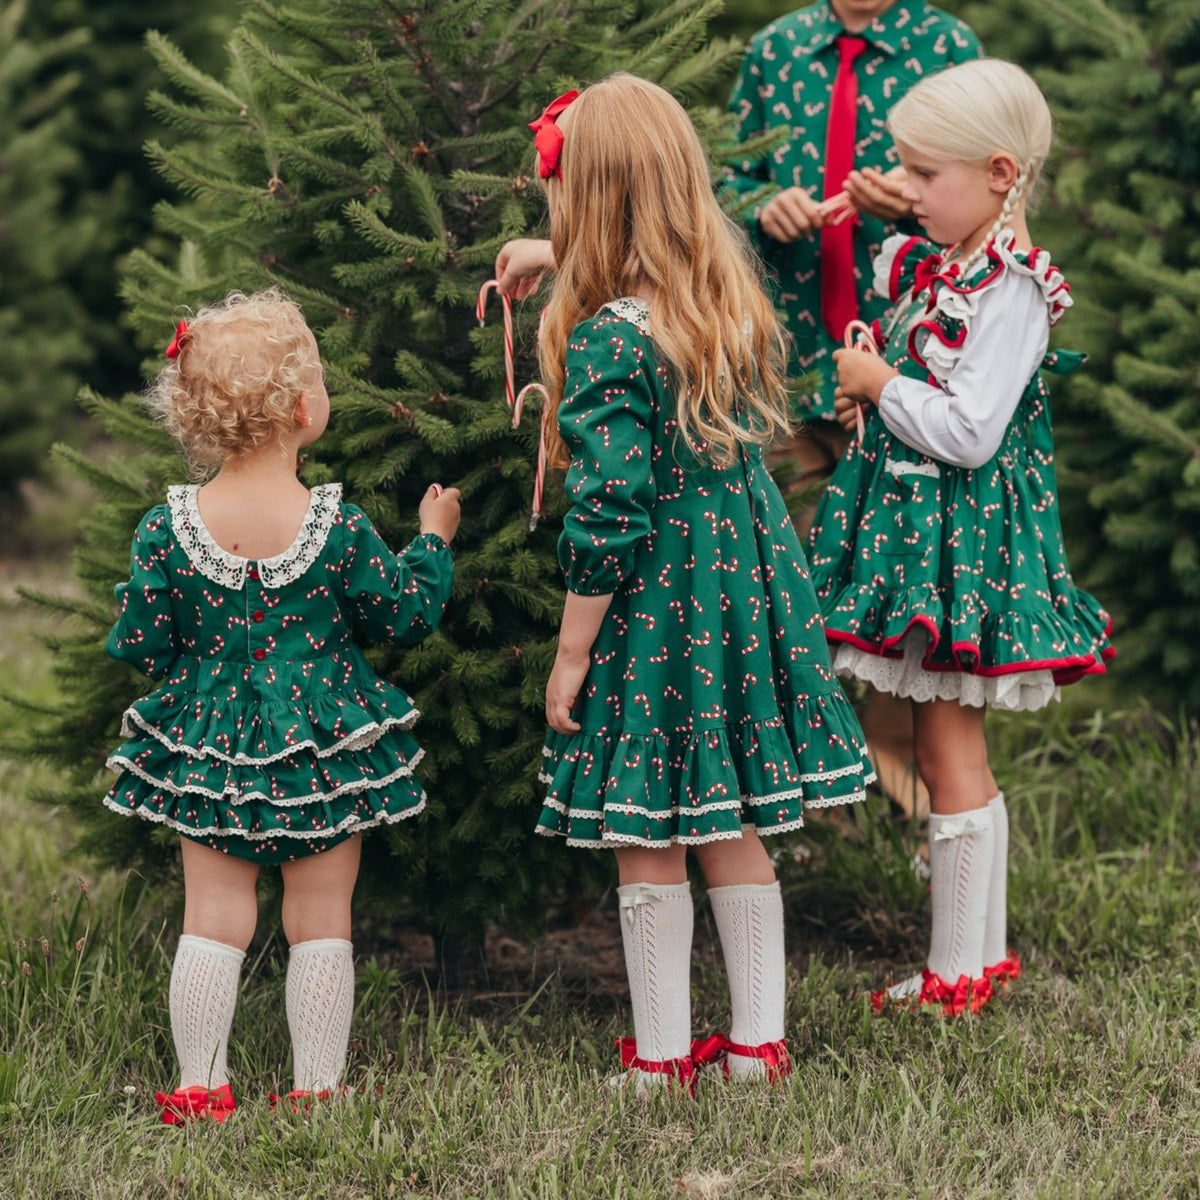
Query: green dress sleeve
(144, 634)
(606, 419)
(393, 597)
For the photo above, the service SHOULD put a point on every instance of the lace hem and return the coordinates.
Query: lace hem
(1023, 691)
(120, 763)
(267, 835)
(132, 723)
(226, 569)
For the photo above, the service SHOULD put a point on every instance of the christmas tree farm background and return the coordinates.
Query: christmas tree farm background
(371, 157)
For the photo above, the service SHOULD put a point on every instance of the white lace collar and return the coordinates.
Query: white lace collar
(633, 309)
(229, 570)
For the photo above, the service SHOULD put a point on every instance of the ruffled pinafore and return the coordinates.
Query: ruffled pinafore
(270, 736)
(710, 701)
(941, 582)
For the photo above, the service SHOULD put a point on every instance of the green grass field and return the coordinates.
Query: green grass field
(1084, 1081)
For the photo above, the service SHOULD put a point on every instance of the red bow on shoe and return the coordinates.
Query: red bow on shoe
(548, 138)
(682, 1070)
(191, 1104)
(718, 1047)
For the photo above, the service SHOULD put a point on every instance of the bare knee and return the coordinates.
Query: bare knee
(317, 894)
(736, 861)
(220, 896)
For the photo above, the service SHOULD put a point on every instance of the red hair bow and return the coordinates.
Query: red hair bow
(548, 138)
(180, 340)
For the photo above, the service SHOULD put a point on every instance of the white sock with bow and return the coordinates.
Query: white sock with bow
(961, 852)
(656, 929)
(749, 920)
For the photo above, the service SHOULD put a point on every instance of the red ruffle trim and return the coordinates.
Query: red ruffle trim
(966, 994)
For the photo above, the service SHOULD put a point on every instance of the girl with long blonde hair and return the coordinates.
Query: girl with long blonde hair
(691, 702)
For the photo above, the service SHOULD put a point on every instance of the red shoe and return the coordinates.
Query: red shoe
(192, 1104)
(301, 1100)
(1006, 970)
(955, 999)
(679, 1071)
(718, 1047)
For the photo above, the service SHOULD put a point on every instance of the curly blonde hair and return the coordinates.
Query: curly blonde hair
(241, 368)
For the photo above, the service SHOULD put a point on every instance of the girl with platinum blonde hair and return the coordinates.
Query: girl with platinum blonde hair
(691, 704)
(937, 550)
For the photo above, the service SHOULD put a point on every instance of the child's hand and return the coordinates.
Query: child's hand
(440, 511)
(520, 264)
(562, 690)
(846, 410)
(862, 376)
(879, 193)
(790, 215)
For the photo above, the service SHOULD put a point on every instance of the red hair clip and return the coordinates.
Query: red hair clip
(180, 340)
(548, 138)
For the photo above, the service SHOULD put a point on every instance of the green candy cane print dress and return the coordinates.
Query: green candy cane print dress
(943, 581)
(710, 701)
(270, 736)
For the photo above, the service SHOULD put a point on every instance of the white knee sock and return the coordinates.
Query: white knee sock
(202, 997)
(750, 922)
(320, 1003)
(995, 936)
(656, 928)
(961, 850)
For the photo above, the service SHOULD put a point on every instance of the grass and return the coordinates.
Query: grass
(1081, 1082)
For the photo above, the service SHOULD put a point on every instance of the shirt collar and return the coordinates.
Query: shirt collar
(885, 33)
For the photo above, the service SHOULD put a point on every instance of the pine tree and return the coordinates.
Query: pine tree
(371, 159)
(41, 321)
(1121, 217)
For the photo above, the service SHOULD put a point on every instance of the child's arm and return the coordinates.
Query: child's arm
(398, 597)
(520, 266)
(581, 620)
(144, 634)
(963, 423)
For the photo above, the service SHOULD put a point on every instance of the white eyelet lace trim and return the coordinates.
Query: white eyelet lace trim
(229, 570)
(633, 309)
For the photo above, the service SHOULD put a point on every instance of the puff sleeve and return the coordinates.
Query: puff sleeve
(393, 597)
(144, 634)
(605, 419)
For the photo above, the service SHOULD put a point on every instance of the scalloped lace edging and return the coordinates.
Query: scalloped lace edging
(350, 822)
(633, 309)
(1023, 691)
(133, 723)
(120, 763)
(229, 570)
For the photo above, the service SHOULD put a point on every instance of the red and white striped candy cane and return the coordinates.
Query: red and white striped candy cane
(510, 387)
(858, 335)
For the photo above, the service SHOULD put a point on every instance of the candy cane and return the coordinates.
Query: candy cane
(836, 209)
(515, 399)
(858, 335)
(510, 386)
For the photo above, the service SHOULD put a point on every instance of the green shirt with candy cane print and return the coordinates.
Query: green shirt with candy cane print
(785, 80)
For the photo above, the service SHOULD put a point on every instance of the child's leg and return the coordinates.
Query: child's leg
(320, 980)
(656, 929)
(220, 910)
(951, 754)
(748, 909)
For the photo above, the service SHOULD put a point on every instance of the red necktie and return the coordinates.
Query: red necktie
(839, 300)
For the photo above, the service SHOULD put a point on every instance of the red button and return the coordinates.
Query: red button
(259, 654)
(258, 614)
(253, 573)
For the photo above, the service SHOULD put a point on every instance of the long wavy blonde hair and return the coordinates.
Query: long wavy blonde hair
(634, 212)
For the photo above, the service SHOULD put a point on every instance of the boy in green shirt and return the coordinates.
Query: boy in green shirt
(833, 68)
